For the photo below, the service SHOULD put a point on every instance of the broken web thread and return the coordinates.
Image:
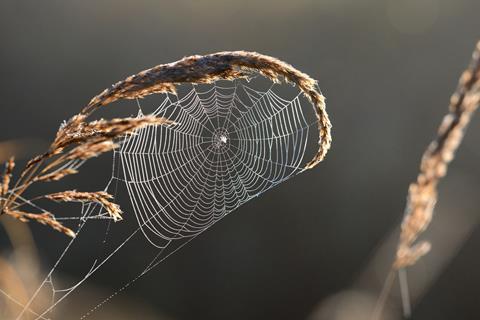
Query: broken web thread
(231, 143)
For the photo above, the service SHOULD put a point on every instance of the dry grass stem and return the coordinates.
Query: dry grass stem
(99, 197)
(45, 218)
(7, 175)
(85, 132)
(84, 140)
(91, 149)
(79, 139)
(409, 255)
(422, 194)
(56, 175)
(226, 65)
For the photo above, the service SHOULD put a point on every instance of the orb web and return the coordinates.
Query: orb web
(230, 144)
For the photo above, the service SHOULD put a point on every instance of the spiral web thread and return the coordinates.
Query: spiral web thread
(230, 144)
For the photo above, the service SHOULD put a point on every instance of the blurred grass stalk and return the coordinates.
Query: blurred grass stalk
(19, 272)
(422, 194)
(20, 148)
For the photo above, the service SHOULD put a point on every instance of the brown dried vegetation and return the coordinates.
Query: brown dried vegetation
(77, 139)
(422, 194)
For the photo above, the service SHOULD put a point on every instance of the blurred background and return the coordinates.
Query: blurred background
(316, 247)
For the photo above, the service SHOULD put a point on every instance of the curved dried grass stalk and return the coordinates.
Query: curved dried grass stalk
(226, 65)
(78, 139)
(422, 194)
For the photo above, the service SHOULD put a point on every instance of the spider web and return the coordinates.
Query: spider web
(223, 152)
(230, 144)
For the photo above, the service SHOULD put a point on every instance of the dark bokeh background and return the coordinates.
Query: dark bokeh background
(387, 69)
